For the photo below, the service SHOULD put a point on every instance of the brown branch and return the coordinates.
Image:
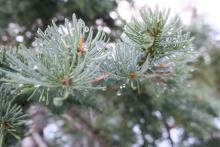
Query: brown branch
(38, 139)
(37, 115)
(72, 114)
(169, 135)
(167, 127)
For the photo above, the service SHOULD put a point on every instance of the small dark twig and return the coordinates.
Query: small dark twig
(93, 132)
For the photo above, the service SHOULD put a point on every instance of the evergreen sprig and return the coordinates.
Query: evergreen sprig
(156, 35)
(151, 49)
(65, 59)
(11, 115)
(123, 64)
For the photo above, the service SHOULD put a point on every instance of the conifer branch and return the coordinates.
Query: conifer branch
(152, 48)
(66, 58)
(11, 115)
(155, 35)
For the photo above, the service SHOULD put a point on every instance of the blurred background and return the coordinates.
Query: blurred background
(20, 19)
(176, 120)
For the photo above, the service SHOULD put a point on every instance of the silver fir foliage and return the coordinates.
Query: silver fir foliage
(65, 59)
(11, 115)
(152, 48)
(156, 34)
(70, 58)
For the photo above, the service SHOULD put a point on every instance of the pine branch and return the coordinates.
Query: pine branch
(152, 49)
(11, 116)
(70, 59)
(66, 59)
(155, 35)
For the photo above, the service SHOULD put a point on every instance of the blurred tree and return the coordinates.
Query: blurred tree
(24, 17)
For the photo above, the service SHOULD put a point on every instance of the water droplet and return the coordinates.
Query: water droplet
(133, 86)
(20, 85)
(81, 23)
(174, 56)
(37, 85)
(104, 88)
(119, 93)
(35, 67)
(192, 70)
(86, 29)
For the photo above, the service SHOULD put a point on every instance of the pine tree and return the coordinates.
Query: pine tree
(24, 17)
(106, 93)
